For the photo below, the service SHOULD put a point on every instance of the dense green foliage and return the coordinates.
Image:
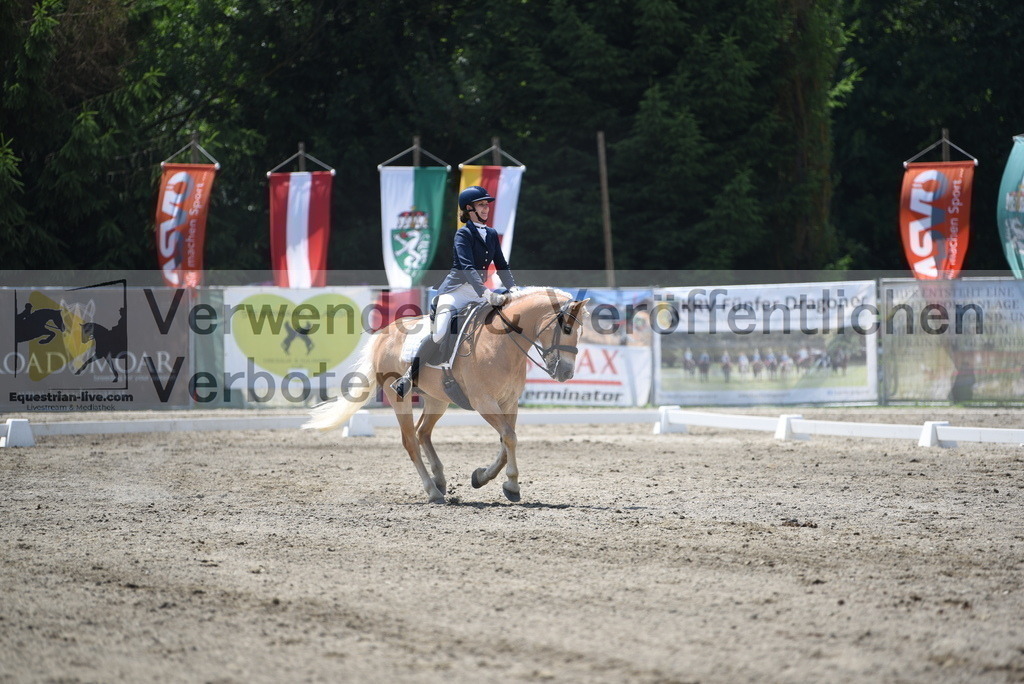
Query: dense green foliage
(743, 134)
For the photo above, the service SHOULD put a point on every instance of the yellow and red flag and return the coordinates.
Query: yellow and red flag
(502, 183)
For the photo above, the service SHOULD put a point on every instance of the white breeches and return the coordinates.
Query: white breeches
(448, 304)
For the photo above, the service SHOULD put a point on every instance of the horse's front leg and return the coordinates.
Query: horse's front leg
(502, 419)
(482, 476)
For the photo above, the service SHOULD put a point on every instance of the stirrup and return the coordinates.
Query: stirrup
(402, 385)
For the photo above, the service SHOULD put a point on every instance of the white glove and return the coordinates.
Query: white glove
(493, 298)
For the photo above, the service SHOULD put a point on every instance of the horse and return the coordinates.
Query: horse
(490, 367)
(39, 323)
(109, 344)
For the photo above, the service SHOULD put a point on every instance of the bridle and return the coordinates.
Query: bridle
(563, 321)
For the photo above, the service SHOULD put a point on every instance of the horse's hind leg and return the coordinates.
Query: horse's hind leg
(91, 359)
(403, 411)
(433, 409)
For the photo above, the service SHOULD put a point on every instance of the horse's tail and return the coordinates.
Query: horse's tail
(331, 414)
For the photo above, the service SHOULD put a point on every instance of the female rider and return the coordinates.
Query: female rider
(476, 246)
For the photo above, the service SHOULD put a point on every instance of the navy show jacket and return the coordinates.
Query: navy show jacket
(472, 257)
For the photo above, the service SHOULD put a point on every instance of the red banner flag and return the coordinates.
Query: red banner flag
(935, 217)
(300, 225)
(181, 221)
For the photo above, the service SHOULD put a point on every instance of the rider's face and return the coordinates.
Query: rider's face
(482, 209)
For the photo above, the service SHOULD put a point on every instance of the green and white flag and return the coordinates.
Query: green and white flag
(411, 204)
(1010, 211)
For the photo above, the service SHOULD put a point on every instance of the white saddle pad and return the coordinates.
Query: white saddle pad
(418, 328)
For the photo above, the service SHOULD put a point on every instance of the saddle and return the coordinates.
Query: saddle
(444, 354)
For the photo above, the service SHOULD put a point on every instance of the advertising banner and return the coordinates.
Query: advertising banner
(957, 341)
(181, 210)
(411, 207)
(95, 347)
(935, 217)
(605, 376)
(503, 183)
(288, 347)
(613, 367)
(766, 344)
(1010, 208)
(300, 227)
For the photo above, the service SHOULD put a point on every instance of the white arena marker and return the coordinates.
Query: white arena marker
(784, 430)
(664, 424)
(17, 433)
(930, 435)
(359, 425)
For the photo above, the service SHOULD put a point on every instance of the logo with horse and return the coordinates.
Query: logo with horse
(68, 331)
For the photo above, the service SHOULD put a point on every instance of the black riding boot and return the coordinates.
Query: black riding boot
(428, 349)
(404, 384)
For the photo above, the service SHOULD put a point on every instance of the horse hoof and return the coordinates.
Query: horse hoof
(477, 484)
(437, 499)
(510, 494)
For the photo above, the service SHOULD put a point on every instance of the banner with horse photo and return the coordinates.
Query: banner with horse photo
(1010, 208)
(98, 346)
(411, 207)
(289, 347)
(935, 217)
(765, 344)
(502, 183)
(181, 210)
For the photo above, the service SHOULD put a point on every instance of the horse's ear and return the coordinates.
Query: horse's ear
(579, 306)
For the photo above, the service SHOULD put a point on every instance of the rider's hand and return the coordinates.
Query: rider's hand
(493, 298)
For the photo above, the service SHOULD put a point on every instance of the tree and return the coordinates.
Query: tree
(923, 66)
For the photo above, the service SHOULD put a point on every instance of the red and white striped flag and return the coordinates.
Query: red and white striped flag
(300, 225)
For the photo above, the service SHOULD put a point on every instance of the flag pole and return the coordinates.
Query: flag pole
(606, 212)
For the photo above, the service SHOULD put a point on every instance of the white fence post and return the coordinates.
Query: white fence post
(785, 427)
(664, 425)
(17, 433)
(930, 435)
(359, 425)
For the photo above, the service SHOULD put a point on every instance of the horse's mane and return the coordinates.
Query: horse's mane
(526, 291)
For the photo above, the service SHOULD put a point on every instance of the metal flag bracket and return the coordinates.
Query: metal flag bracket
(416, 150)
(944, 141)
(196, 149)
(496, 154)
(302, 156)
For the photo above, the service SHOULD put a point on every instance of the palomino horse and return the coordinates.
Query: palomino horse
(491, 368)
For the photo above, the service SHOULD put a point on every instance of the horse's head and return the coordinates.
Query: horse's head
(558, 334)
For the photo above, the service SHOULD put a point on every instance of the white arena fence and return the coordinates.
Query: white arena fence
(666, 420)
(931, 433)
